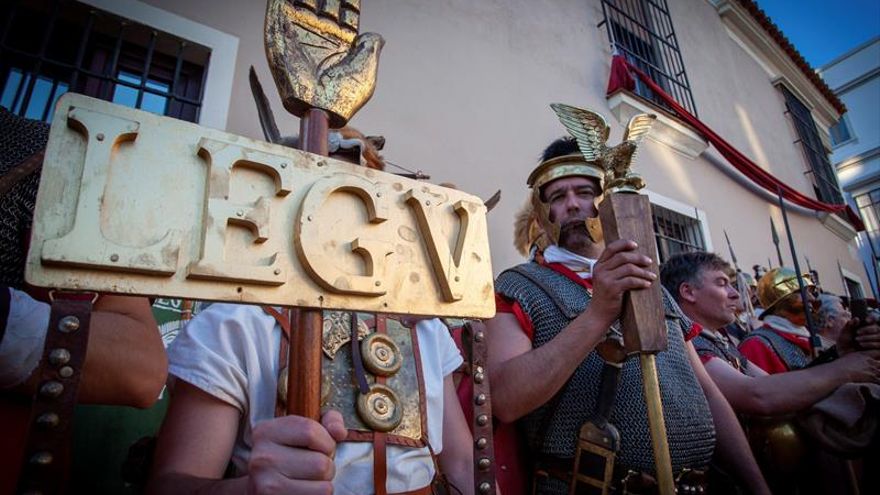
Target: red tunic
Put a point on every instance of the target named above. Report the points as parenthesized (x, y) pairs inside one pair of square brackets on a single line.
[(759, 353), (509, 447)]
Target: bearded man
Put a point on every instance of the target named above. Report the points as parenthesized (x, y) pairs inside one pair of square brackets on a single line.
[(553, 312)]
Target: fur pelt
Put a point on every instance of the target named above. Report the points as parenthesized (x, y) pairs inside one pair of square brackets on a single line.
[(527, 232)]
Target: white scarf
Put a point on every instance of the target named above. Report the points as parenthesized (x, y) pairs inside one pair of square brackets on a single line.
[(581, 265), (783, 325)]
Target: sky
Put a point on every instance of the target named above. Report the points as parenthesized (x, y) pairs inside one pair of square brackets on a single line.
[(822, 30)]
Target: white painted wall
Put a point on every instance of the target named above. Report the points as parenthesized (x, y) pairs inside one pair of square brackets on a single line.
[(463, 95)]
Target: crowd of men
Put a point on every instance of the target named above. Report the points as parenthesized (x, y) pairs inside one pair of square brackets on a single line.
[(749, 405)]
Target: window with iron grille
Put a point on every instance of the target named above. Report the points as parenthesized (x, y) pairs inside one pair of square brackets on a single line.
[(50, 47), (840, 132), (854, 288), (822, 173), (869, 207), (676, 233), (642, 31)]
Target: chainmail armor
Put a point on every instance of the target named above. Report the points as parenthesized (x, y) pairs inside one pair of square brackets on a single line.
[(20, 138), (721, 348), (689, 423), (789, 352)]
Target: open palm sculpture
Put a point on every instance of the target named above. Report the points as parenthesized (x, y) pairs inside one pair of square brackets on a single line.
[(317, 58)]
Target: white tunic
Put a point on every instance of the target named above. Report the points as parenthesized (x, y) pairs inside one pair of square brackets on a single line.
[(231, 352)]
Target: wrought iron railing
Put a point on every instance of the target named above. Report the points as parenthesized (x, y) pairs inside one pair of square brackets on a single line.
[(642, 31), (49, 48), (825, 181), (676, 233)]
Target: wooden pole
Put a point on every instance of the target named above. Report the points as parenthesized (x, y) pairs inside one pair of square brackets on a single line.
[(643, 318), (304, 370)]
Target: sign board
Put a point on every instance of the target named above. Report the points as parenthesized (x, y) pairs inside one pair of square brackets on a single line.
[(134, 203)]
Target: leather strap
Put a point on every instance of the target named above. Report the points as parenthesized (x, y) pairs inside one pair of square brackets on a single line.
[(484, 452), (45, 467), (380, 455), (283, 320), (380, 463), (357, 360), (24, 169), (607, 392)]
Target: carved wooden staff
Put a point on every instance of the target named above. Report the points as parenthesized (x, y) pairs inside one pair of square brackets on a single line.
[(627, 215), (325, 72)]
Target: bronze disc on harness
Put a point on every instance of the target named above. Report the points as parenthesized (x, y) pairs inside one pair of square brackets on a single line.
[(380, 408), (381, 355)]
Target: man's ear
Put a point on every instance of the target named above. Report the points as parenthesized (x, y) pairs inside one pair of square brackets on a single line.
[(686, 292)]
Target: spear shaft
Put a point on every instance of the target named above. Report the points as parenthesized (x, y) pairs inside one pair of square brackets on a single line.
[(808, 311), (775, 238)]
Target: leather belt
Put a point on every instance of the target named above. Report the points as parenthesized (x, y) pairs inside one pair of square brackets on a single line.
[(47, 451), (484, 453), (687, 481)]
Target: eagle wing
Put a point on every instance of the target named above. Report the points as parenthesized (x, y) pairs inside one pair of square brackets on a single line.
[(636, 130), (588, 128)]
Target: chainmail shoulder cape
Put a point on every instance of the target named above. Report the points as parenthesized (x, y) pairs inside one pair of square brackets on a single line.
[(719, 347), (20, 138), (790, 354), (551, 301)]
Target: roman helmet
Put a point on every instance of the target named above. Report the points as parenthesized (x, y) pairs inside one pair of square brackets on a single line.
[(556, 168), (777, 284)]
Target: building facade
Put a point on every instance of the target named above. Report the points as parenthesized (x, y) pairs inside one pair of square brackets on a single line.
[(464, 90), (855, 79)]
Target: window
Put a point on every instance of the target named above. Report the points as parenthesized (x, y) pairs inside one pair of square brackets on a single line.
[(676, 233), (854, 288), (49, 48), (869, 207), (824, 181), (642, 31), (840, 132)]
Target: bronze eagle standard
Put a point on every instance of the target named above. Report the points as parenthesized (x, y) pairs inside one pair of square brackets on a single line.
[(591, 132)]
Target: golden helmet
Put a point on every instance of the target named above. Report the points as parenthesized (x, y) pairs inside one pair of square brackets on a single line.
[(556, 168), (778, 283)]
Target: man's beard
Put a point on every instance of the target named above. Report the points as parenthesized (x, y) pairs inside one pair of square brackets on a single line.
[(574, 237)]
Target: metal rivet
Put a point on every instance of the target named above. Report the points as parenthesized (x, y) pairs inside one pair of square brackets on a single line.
[(485, 487), (479, 336), (51, 389), (100, 137), (482, 420), (478, 369), (484, 463), (482, 443), (239, 213), (427, 203), (378, 194), (478, 377), (283, 165), (378, 283), (68, 324), (480, 399), (277, 271), (114, 257), (66, 372), (41, 458), (48, 420), (59, 357), (309, 218), (321, 163)]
